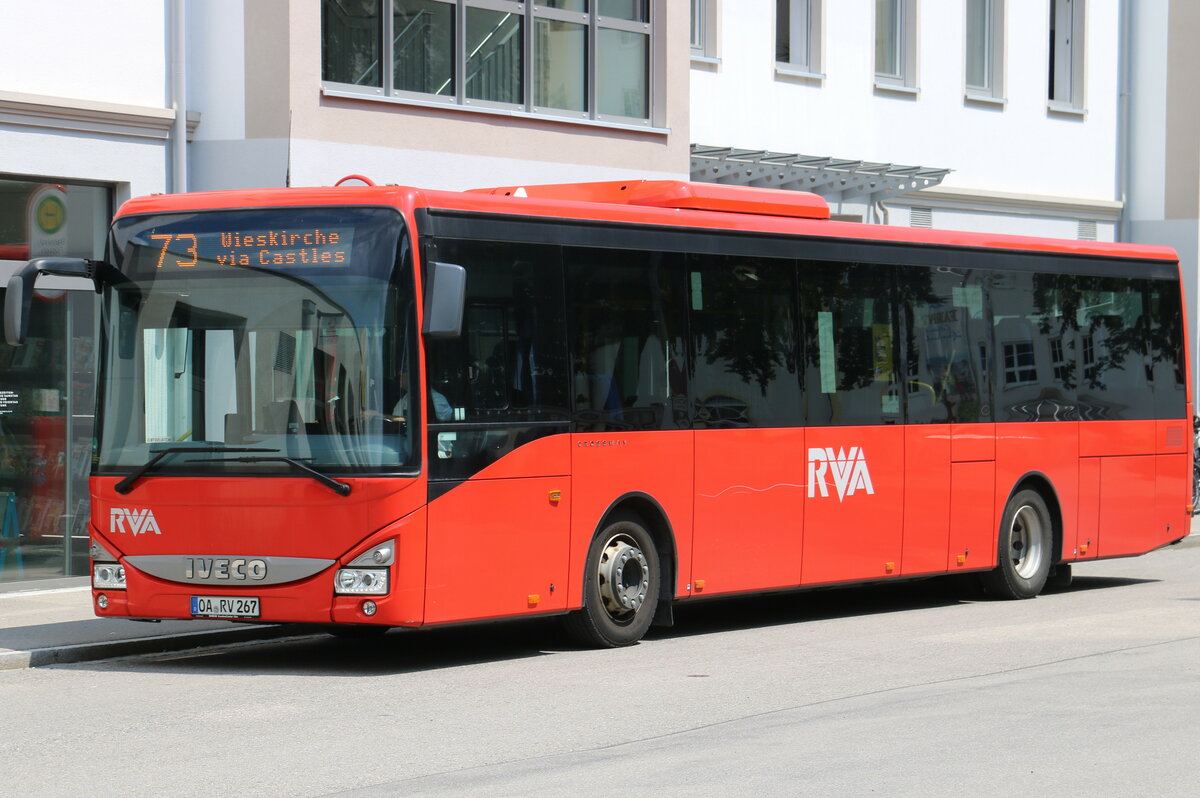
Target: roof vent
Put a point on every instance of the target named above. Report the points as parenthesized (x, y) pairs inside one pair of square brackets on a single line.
[(681, 195)]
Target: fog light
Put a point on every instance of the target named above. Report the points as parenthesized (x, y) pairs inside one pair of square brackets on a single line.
[(102, 601), (368, 607), (108, 575), (370, 581)]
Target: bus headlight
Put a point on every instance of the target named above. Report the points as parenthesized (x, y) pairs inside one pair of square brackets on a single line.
[(361, 581), (108, 575)]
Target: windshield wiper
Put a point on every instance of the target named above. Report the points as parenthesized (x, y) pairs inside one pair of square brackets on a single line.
[(126, 485), (340, 488)]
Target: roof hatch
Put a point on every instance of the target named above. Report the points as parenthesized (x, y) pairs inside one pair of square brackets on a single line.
[(679, 194)]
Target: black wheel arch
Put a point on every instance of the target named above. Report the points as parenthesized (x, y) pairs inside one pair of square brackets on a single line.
[(1042, 484), (658, 524)]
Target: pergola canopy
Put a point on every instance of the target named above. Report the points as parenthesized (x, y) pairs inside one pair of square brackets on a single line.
[(838, 180)]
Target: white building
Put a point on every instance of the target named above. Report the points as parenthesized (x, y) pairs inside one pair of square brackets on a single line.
[(1160, 145), (1062, 118), (957, 85), (993, 115)]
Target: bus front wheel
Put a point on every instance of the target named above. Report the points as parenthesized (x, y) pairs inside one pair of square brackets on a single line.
[(1024, 556), (620, 586)]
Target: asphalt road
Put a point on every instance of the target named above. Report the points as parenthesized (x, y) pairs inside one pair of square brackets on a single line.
[(916, 689)]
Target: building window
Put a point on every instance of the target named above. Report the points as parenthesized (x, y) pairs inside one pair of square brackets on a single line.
[(984, 50), (798, 37), (565, 58), (1066, 54), (895, 44), (1019, 364), (1058, 359)]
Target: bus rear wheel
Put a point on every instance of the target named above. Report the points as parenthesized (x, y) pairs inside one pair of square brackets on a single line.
[(1025, 556), (620, 587)]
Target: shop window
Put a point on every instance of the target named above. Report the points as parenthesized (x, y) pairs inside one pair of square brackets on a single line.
[(47, 386)]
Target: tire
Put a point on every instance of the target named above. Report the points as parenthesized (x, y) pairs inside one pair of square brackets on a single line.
[(620, 586), (1060, 577), (1025, 553)]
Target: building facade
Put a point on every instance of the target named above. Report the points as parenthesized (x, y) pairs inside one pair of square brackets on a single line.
[(1061, 118), (447, 94), (1067, 118), (1013, 124), (78, 135)]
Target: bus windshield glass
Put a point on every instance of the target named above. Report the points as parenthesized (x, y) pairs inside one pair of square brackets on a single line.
[(262, 339)]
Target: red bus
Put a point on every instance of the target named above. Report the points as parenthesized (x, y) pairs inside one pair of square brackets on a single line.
[(377, 407)]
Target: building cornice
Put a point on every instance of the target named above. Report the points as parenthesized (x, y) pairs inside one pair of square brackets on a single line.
[(18, 109), (967, 199)]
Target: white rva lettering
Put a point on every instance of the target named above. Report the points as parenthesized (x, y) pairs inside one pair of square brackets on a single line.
[(849, 471), (138, 522)]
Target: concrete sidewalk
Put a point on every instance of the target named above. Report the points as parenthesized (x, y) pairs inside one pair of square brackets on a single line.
[(49, 625), (49, 622)]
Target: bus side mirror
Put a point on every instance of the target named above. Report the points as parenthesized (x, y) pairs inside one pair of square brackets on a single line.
[(19, 299), (445, 296)]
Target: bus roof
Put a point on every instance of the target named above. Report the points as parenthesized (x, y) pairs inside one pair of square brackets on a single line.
[(673, 203)]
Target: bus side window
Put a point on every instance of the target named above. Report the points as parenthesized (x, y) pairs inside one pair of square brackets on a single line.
[(1035, 367), (625, 312), (849, 347), (947, 333), (743, 326), (1116, 379), (505, 377)]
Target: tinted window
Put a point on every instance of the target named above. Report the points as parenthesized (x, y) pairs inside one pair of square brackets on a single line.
[(1109, 317), (627, 337), (504, 381), (743, 327), (947, 343), (1167, 358), (849, 344), (1033, 367)]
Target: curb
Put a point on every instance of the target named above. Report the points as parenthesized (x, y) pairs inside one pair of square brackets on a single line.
[(160, 644)]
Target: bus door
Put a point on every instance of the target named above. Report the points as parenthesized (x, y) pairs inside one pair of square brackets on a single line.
[(750, 446), (950, 439), (855, 441), (497, 448), (632, 446)]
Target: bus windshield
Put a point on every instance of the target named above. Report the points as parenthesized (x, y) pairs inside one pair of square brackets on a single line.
[(262, 339)]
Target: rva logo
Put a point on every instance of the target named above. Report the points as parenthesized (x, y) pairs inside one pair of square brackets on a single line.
[(141, 522), (849, 471)]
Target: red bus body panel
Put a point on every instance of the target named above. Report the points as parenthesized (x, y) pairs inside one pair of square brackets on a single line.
[(744, 510)]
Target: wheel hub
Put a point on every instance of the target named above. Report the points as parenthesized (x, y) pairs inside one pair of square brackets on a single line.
[(624, 575), (1026, 542)]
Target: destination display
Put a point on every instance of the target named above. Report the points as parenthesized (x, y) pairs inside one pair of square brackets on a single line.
[(291, 247)]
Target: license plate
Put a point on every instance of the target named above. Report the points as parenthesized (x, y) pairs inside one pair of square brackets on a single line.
[(225, 606)]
